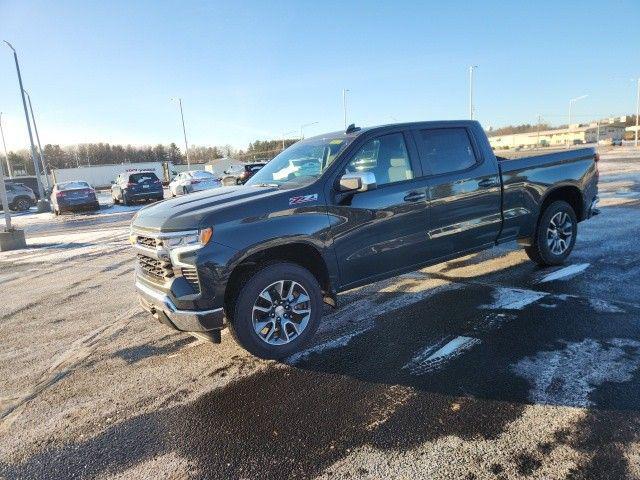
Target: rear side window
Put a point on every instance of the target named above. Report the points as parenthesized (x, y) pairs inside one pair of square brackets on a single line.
[(446, 150), (73, 185), (201, 174), (142, 178)]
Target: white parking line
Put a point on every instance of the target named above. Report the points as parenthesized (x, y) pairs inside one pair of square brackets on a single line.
[(565, 273), (506, 298), (435, 356)]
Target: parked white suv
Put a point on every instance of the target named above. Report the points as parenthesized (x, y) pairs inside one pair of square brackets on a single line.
[(20, 197)]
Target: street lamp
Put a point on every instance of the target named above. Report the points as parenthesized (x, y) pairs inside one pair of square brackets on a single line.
[(637, 113), (571, 102), (284, 134), (344, 105), (184, 132), (4, 145), (35, 127), (43, 203), (471, 69), (302, 127)]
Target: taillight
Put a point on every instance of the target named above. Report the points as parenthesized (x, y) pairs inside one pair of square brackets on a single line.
[(131, 184), (60, 194), (597, 157), (194, 182)]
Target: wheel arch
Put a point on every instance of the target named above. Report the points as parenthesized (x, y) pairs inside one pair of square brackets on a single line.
[(301, 252), (569, 193)]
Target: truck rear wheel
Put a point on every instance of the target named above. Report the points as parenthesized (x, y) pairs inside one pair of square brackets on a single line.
[(277, 311), (555, 235)]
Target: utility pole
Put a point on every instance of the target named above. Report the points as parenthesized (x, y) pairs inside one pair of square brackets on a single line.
[(43, 203), (3, 197), (471, 69), (35, 127), (571, 102), (4, 145), (184, 132), (344, 105)]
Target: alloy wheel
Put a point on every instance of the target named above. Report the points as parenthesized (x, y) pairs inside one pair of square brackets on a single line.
[(281, 312), (559, 233)]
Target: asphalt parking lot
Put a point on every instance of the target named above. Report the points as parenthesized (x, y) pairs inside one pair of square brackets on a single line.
[(482, 367)]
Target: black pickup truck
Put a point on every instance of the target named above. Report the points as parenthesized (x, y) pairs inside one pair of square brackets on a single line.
[(344, 209)]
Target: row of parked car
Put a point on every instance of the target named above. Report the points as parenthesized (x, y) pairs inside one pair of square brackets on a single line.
[(128, 188)]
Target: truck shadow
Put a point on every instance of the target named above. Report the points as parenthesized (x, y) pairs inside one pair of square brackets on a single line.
[(286, 421)]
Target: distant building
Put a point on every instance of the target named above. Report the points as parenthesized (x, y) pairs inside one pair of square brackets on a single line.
[(575, 134)]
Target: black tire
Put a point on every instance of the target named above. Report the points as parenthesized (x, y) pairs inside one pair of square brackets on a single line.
[(184, 191), (540, 252), (241, 322), (125, 199), (56, 212), (115, 200)]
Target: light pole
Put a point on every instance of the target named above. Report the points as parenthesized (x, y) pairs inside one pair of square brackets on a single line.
[(184, 132), (3, 191), (344, 105), (302, 127), (35, 127), (471, 69), (43, 203), (571, 102), (284, 134), (4, 145), (637, 113)]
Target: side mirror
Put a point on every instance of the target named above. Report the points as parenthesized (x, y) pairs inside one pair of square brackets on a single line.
[(357, 182)]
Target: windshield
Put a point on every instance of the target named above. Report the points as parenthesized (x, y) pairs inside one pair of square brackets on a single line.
[(143, 177), (73, 185), (301, 163)]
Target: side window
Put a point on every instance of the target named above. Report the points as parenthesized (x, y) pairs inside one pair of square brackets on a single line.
[(386, 157), (446, 150)]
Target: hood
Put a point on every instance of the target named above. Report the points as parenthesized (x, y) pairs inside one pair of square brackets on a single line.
[(196, 210)]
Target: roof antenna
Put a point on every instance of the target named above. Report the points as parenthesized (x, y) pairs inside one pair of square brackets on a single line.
[(352, 128)]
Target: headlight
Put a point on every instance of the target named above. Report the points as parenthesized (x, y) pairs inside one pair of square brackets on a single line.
[(197, 240)]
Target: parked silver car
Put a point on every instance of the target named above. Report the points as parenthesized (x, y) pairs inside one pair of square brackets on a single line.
[(193, 181), (20, 197)]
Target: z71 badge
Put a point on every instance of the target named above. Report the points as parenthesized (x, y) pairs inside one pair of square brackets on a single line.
[(303, 199)]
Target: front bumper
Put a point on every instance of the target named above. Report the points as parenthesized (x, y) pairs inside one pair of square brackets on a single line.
[(162, 308)]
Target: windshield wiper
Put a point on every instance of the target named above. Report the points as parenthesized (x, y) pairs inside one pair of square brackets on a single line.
[(267, 185)]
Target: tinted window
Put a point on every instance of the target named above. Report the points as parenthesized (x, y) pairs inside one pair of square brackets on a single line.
[(386, 157), (201, 174), (72, 185), (143, 177), (446, 150)]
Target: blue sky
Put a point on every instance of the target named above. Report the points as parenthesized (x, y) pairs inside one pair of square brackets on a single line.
[(106, 71)]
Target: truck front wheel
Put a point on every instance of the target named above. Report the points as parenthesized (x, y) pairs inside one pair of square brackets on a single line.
[(277, 311), (555, 235)]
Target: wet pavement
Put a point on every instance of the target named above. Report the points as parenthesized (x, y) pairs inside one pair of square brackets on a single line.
[(483, 367)]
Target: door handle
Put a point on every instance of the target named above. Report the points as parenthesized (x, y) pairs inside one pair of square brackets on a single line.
[(488, 183), (414, 197)]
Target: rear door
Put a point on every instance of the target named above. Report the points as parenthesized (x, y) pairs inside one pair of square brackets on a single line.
[(463, 190), (381, 230)]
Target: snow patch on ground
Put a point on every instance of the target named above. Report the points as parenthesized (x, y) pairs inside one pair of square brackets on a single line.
[(434, 357), (513, 298), (569, 375), (565, 273), (603, 306)]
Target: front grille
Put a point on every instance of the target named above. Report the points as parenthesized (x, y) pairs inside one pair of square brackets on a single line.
[(191, 276), (147, 241), (160, 269)]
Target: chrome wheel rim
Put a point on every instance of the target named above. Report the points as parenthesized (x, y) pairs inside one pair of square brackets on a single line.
[(281, 312), (559, 233)]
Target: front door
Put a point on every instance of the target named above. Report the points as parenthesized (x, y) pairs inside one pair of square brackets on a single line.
[(381, 230)]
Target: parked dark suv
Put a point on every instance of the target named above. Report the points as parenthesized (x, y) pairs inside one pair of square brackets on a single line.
[(135, 186)]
